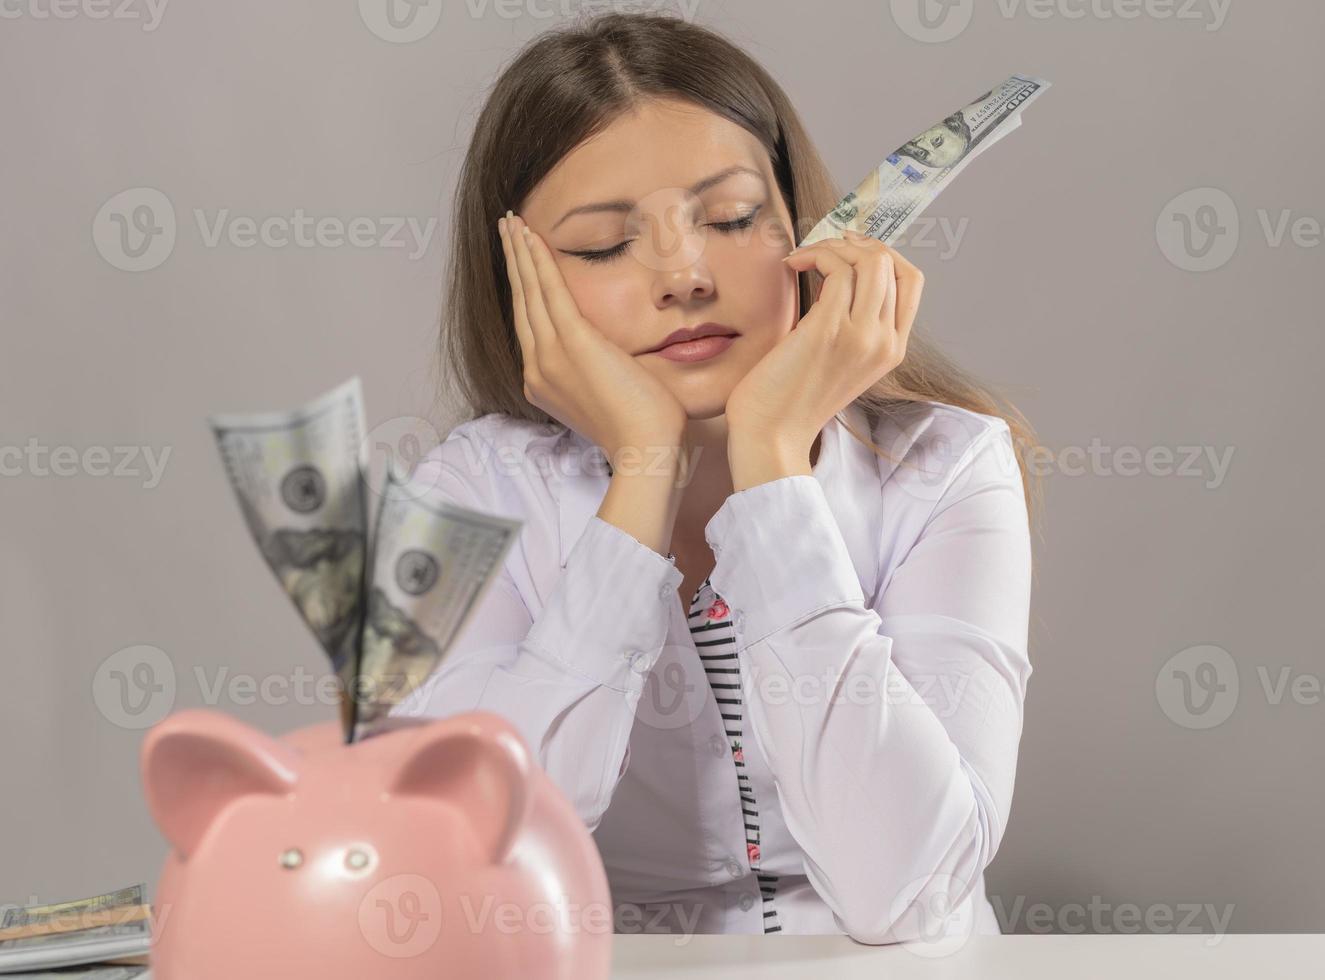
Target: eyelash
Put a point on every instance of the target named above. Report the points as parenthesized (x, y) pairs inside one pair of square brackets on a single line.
[(726, 227)]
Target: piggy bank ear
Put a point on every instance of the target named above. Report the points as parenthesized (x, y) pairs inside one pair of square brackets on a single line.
[(479, 763), (197, 762)]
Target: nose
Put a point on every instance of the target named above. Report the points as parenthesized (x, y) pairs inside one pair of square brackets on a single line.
[(684, 285)]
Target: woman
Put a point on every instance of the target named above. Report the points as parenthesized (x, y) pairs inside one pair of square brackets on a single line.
[(824, 738)]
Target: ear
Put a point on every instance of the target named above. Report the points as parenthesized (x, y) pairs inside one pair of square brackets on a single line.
[(196, 762), (479, 763)]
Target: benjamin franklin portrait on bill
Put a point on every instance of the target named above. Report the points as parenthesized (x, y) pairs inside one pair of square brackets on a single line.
[(940, 146)]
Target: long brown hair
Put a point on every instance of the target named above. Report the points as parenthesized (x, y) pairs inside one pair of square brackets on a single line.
[(567, 85)]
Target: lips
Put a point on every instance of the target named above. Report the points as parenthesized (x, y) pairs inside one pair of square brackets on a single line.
[(693, 351), (694, 333)]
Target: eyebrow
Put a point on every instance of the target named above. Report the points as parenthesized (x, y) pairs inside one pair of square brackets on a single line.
[(697, 188)]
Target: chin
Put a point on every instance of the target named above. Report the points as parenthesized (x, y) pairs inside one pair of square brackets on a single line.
[(703, 403), (706, 411)]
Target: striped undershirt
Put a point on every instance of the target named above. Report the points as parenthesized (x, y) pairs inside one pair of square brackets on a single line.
[(710, 625)]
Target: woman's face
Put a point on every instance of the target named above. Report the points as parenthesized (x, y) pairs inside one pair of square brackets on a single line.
[(669, 218)]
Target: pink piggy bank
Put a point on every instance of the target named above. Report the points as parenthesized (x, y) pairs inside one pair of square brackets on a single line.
[(434, 849)]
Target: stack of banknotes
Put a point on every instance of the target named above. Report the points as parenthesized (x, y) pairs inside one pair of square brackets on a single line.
[(385, 577), (106, 937), (385, 606)]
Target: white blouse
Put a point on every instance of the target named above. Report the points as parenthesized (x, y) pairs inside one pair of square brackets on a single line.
[(874, 616)]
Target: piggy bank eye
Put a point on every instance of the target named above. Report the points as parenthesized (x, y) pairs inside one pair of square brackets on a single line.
[(360, 859), (291, 858)]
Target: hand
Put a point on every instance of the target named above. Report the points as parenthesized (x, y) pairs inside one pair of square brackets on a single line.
[(853, 335), (573, 372)]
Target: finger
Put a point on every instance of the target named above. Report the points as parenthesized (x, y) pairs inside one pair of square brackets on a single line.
[(910, 284), (839, 274), (874, 281), (545, 332), (561, 305), (522, 330), (839, 277), (901, 298), (850, 251), (888, 312)]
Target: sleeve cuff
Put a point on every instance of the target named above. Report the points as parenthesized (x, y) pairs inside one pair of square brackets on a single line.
[(606, 618), (780, 556)]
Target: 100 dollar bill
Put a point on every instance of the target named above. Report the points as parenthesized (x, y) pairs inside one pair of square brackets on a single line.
[(432, 562), (895, 193), (387, 603), (298, 475)]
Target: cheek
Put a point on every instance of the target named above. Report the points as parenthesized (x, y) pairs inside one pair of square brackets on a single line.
[(608, 302), (765, 297)]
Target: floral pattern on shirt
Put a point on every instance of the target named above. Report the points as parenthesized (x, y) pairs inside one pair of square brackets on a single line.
[(715, 641)]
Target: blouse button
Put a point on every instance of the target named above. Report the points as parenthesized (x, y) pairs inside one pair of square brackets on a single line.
[(718, 746), (666, 591), (746, 901), (734, 868), (638, 661), (738, 621)]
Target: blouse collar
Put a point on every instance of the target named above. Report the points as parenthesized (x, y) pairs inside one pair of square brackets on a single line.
[(849, 473)]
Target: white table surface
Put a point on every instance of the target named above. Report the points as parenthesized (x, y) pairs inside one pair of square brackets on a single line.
[(1016, 957)]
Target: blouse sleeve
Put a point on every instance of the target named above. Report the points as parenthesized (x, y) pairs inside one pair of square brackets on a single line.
[(891, 728), (570, 680)]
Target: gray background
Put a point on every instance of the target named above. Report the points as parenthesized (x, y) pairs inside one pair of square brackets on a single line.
[(1059, 291)]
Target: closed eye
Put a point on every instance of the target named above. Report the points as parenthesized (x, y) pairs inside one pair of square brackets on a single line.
[(726, 227)]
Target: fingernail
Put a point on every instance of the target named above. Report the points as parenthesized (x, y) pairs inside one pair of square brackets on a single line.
[(509, 213), (524, 230)]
